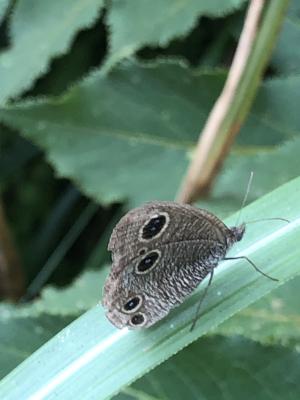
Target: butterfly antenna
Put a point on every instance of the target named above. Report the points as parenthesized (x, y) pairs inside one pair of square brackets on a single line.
[(245, 198), (244, 202), (268, 219), (201, 300)]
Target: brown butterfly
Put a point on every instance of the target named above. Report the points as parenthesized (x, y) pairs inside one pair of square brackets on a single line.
[(161, 252)]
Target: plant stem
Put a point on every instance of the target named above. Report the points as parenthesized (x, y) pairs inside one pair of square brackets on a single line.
[(253, 52), (11, 274)]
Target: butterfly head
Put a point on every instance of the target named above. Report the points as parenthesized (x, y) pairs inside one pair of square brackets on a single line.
[(237, 233)]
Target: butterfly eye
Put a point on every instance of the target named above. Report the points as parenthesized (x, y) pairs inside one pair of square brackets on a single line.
[(148, 262), (132, 304), (138, 320), (154, 227)]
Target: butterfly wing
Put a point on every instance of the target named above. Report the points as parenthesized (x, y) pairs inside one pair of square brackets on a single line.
[(161, 252)]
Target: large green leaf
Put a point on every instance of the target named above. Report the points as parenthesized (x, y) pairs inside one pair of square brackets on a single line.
[(41, 30), (271, 168), (286, 57), (219, 368), (147, 118), (92, 359), (156, 22), (274, 116)]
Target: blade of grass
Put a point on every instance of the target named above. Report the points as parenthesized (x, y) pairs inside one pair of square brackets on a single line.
[(56, 257), (51, 230), (92, 359), (99, 256)]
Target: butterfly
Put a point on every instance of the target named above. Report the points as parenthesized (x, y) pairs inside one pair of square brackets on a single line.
[(161, 252)]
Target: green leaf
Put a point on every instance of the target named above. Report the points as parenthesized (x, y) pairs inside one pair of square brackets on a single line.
[(143, 117), (148, 118), (91, 359), (286, 57), (19, 337), (274, 319), (73, 300), (3, 7), (280, 163), (220, 368), (83, 294), (41, 30), (157, 22), (274, 117)]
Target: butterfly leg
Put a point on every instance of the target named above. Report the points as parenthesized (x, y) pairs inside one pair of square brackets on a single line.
[(253, 265), (201, 300)]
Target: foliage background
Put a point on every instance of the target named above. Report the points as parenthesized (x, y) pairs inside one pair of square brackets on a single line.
[(101, 106)]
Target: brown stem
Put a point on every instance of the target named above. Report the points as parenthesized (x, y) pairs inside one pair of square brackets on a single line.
[(11, 274), (210, 151)]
